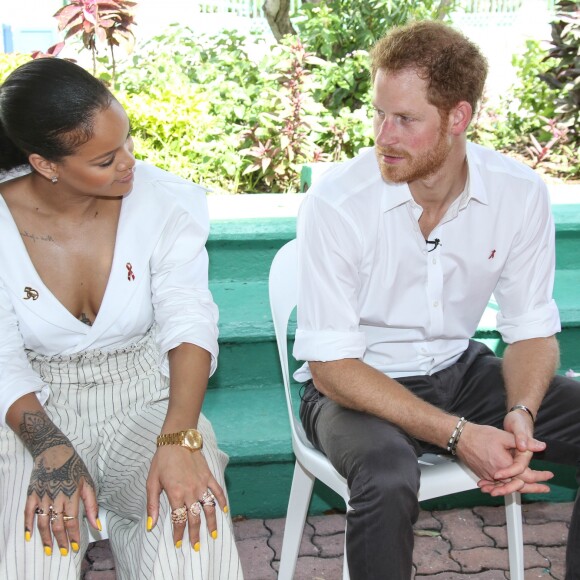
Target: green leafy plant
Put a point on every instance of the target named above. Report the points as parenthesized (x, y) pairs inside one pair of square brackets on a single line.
[(525, 123), (9, 61), (564, 72), (109, 22)]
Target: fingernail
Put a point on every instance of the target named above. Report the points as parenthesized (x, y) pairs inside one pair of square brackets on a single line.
[(99, 525), (226, 509), (74, 546), (196, 546), (27, 535), (48, 550), (178, 544), (214, 534), (63, 552), (149, 523)]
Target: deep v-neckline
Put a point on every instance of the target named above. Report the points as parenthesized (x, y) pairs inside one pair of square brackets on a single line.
[(30, 264)]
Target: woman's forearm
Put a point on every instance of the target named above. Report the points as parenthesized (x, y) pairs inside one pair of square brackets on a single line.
[(189, 367)]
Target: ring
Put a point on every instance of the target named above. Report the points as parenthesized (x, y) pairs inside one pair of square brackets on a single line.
[(207, 499), (195, 509), (68, 518), (40, 512), (179, 515)]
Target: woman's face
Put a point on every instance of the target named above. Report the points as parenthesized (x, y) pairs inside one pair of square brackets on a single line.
[(104, 165)]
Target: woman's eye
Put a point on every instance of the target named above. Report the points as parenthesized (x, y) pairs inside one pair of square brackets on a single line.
[(107, 163)]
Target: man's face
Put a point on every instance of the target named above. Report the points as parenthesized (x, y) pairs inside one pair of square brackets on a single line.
[(411, 137)]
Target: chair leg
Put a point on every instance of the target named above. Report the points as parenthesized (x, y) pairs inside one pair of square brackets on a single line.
[(300, 494), (513, 512), (345, 572)]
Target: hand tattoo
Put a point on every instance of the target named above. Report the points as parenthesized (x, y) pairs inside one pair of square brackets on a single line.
[(64, 479), (39, 435)]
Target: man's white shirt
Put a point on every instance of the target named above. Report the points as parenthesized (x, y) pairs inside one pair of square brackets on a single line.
[(371, 288)]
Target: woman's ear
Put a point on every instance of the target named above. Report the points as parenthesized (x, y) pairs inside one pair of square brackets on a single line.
[(44, 167)]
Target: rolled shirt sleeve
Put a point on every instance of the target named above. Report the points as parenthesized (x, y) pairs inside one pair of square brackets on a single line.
[(329, 251), (184, 308), (524, 290), (17, 378)]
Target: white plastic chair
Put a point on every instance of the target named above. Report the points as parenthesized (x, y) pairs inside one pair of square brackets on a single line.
[(440, 475)]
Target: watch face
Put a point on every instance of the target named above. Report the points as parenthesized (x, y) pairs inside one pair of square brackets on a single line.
[(193, 439)]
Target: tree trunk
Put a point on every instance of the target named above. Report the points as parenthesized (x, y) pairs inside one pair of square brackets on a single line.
[(443, 9), (278, 15)]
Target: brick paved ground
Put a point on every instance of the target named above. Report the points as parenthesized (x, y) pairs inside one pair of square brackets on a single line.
[(450, 545)]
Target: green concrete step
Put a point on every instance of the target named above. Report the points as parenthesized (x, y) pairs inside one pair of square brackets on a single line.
[(243, 250)]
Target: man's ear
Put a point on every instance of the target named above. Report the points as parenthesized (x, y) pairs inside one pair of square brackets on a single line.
[(460, 117), (41, 165)]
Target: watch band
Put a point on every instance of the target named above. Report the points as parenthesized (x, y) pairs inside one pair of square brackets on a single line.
[(171, 438)]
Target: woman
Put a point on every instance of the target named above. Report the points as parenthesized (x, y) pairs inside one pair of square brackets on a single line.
[(107, 339)]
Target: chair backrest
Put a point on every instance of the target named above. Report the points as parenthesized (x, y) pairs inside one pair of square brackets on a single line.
[(283, 287)]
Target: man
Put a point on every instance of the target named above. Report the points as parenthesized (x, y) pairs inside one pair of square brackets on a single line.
[(400, 250)]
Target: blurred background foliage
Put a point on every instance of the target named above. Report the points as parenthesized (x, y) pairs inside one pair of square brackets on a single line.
[(243, 115)]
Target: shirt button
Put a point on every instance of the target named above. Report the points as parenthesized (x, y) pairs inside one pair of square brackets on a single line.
[(435, 304), (434, 260)]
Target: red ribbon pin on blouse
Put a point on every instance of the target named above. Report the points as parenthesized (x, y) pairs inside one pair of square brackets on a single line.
[(130, 275)]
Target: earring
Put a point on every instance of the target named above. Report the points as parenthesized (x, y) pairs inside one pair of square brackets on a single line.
[(54, 179)]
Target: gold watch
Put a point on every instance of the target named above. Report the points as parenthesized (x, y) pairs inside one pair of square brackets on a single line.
[(190, 439)]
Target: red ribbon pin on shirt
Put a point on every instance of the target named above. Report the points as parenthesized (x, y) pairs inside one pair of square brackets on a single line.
[(130, 275)]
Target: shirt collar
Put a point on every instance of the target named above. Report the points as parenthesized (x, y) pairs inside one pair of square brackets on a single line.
[(395, 194), (475, 187)]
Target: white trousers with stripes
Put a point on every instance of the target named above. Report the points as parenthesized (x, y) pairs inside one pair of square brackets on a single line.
[(111, 405)]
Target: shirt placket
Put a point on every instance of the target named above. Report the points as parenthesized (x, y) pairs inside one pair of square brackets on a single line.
[(435, 285)]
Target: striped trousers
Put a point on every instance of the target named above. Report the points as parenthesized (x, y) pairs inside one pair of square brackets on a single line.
[(111, 405)]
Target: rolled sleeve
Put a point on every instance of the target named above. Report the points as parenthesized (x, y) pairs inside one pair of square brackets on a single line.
[(525, 288), (17, 378), (328, 282), (184, 308)]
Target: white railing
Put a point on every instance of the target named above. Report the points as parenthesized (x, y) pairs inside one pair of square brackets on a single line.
[(246, 8)]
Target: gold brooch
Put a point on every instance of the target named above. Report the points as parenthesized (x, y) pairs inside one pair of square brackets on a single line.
[(30, 293)]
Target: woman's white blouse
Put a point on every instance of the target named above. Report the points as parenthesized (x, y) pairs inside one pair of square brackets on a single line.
[(159, 274)]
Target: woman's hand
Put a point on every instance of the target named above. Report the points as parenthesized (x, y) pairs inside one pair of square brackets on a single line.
[(58, 480), (185, 477)]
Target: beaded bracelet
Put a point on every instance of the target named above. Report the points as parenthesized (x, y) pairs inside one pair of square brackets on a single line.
[(454, 439), (525, 409)]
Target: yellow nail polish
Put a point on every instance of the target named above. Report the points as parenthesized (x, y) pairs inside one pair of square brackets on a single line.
[(48, 550), (214, 534), (178, 544), (196, 546), (27, 535), (149, 523), (63, 552), (99, 525), (226, 509), (74, 546)]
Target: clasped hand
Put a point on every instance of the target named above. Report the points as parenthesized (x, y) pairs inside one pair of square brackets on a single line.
[(501, 458)]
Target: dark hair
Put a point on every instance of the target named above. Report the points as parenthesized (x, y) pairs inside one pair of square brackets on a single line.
[(453, 66), (47, 106)]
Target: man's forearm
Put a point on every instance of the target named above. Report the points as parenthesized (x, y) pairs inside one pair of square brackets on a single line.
[(356, 385), (528, 368)]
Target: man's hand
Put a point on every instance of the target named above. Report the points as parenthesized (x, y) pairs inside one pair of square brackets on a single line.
[(494, 456)]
